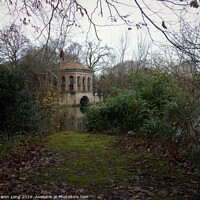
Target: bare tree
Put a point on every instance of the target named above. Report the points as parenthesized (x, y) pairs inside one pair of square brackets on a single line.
[(64, 13), (12, 44), (180, 29), (123, 47), (97, 55), (141, 54), (73, 52)]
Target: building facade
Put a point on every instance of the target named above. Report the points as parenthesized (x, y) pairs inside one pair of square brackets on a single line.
[(76, 84)]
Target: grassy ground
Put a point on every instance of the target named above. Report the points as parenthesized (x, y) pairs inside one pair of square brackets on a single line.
[(88, 161), (104, 164)]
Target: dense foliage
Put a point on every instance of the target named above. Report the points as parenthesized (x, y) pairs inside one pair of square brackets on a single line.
[(18, 106), (153, 105)]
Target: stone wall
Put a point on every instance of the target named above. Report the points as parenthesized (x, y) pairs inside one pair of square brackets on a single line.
[(74, 98)]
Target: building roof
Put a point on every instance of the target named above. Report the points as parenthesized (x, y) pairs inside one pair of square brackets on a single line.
[(74, 66)]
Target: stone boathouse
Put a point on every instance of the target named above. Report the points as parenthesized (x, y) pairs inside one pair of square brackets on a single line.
[(76, 84)]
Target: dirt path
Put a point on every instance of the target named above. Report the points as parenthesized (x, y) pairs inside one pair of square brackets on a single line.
[(94, 166)]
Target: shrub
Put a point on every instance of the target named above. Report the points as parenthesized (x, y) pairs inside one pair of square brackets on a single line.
[(124, 112), (48, 110), (18, 106), (154, 105)]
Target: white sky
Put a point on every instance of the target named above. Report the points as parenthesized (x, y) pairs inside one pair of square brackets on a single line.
[(111, 34)]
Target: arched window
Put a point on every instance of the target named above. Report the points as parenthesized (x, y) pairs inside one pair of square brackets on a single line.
[(63, 83), (79, 83), (71, 83), (89, 83), (63, 80), (84, 84)]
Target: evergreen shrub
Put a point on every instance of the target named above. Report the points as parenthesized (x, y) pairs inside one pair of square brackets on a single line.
[(18, 105), (149, 106)]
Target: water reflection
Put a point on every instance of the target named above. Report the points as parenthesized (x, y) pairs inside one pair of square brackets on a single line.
[(83, 108), (72, 119)]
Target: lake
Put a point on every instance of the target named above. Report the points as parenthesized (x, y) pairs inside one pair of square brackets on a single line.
[(72, 119)]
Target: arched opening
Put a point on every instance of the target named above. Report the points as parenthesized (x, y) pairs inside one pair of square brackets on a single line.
[(84, 84), (84, 101), (63, 80), (63, 83), (71, 83), (89, 83), (79, 83)]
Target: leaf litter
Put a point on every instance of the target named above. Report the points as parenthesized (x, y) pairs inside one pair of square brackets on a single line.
[(178, 179)]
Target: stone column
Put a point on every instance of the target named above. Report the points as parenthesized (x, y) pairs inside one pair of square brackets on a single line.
[(75, 82), (91, 83)]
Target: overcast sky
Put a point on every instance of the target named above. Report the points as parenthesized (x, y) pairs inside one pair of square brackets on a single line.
[(109, 30)]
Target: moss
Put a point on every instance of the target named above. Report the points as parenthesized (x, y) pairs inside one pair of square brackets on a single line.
[(92, 162), (88, 161)]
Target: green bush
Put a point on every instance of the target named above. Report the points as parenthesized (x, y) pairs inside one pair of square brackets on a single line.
[(124, 112), (154, 105), (18, 106)]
